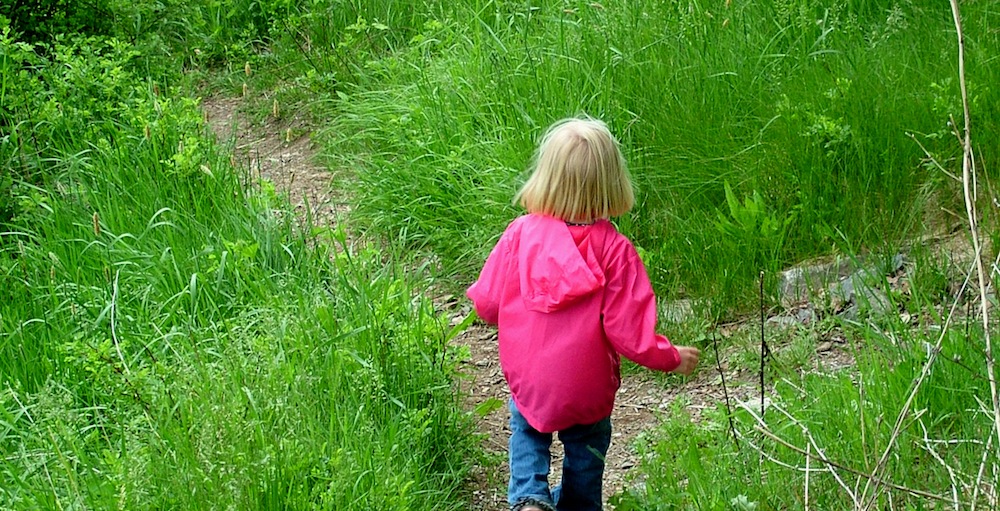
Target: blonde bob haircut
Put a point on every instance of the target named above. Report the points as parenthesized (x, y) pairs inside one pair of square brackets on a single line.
[(578, 174)]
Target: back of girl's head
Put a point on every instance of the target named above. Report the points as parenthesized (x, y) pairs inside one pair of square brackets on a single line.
[(578, 174)]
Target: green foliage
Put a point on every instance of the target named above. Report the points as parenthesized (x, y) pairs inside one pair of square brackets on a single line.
[(39, 20), (847, 415), (169, 340), (807, 115)]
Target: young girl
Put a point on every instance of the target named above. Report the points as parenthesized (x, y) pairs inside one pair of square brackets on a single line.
[(569, 295)]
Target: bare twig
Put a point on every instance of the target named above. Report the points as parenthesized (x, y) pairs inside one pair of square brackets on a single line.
[(776, 461), (934, 160), (761, 426), (830, 463), (968, 186), (898, 427), (725, 391), (951, 472), (806, 491), (979, 476), (764, 350)]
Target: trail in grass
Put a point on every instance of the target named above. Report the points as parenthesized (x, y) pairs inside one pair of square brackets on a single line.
[(288, 162), (278, 151)]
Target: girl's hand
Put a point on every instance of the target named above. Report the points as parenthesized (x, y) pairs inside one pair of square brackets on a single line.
[(689, 359)]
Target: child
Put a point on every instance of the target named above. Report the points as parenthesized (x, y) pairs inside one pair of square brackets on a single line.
[(569, 295)]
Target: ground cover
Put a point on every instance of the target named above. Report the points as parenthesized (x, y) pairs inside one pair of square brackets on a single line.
[(172, 337), (178, 326)]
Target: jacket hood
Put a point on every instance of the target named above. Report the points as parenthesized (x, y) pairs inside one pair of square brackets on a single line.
[(557, 267)]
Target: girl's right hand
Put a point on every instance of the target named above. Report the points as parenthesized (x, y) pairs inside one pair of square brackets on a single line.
[(689, 359)]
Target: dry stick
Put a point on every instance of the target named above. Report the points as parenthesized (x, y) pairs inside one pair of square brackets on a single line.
[(936, 456), (898, 427), (968, 178), (982, 470), (725, 391), (830, 463), (822, 457), (970, 208), (808, 454), (933, 160), (764, 350), (812, 443), (772, 459)]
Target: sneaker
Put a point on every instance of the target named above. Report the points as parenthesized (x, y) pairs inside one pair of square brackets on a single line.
[(530, 504)]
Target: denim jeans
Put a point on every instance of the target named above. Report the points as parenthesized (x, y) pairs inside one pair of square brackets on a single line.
[(583, 465)]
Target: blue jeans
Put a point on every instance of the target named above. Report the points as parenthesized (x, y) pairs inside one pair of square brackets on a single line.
[(583, 466)]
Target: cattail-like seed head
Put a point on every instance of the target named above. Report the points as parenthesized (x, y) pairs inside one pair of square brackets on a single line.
[(274, 108), (244, 90), (97, 224), (288, 135), (246, 68), (145, 131)]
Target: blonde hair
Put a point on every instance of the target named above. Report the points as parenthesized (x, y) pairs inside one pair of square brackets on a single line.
[(578, 174)]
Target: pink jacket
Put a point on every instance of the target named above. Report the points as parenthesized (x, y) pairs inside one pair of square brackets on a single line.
[(568, 300)]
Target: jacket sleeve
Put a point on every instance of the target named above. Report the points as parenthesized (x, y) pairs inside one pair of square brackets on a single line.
[(630, 315), (486, 292)]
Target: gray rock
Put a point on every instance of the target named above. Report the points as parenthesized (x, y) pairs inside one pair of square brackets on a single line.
[(838, 278), (677, 311), (799, 284)]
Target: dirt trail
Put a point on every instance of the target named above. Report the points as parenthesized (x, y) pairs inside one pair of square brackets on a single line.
[(290, 165), (269, 152)]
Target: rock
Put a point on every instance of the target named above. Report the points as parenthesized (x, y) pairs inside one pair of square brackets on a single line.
[(824, 346), (782, 322), (677, 311), (805, 315), (796, 285), (838, 278)]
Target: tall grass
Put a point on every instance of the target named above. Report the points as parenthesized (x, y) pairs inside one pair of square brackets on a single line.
[(804, 109), (169, 338), (846, 415)]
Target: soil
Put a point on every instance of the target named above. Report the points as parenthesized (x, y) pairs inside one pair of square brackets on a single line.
[(280, 151), (267, 150)]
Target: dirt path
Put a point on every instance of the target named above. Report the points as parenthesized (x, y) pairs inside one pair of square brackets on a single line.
[(269, 152), (289, 163)]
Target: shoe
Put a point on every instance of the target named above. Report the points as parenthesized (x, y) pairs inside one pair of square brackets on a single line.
[(530, 504)]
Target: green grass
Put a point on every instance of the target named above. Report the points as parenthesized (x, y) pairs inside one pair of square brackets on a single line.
[(802, 109), (171, 339), (850, 415)]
